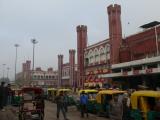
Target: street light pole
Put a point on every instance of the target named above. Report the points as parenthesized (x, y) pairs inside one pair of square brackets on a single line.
[(8, 72), (3, 70), (33, 42), (16, 46)]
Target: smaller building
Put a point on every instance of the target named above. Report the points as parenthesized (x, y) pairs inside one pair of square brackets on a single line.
[(38, 77), (24, 77), (67, 72), (44, 78)]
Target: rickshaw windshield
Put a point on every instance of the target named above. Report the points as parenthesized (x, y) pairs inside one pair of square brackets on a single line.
[(92, 95), (28, 96)]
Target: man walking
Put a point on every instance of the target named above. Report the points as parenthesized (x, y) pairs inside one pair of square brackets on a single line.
[(9, 94), (66, 101), (83, 104), (116, 109), (60, 105)]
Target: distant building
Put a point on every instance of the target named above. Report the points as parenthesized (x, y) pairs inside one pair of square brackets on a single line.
[(24, 77), (37, 77), (67, 72), (44, 78)]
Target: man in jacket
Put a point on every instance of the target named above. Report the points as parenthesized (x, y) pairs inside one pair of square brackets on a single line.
[(83, 104), (60, 105)]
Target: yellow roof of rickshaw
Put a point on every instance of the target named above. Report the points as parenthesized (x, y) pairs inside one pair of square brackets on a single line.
[(146, 93), (143, 93), (49, 89), (64, 89), (107, 92), (88, 90), (111, 92)]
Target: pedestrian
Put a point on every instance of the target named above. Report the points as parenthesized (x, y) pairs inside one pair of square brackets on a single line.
[(66, 101), (9, 94), (83, 104), (40, 103), (126, 107), (6, 94), (116, 109), (60, 105), (2, 94)]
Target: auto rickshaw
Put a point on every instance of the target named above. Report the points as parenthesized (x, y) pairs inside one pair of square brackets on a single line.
[(51, 94), (16, 97), (144, 103), (71, 100), (32, 104), (91, 93), (103, 100)]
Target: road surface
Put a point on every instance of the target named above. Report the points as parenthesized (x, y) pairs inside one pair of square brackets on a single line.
[(73, 114), (11, 113)]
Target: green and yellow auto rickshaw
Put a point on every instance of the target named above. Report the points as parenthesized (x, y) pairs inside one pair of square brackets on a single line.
[(103, 100), (91, 93), (143, 105), (51, 94)]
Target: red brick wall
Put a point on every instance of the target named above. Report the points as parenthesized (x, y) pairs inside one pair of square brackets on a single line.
[(140, 45)]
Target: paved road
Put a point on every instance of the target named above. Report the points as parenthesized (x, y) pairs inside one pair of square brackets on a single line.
[(10, 113), (73, 114), (50, 113)]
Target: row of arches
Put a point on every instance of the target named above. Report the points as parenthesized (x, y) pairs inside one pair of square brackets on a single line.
[(97, 55)]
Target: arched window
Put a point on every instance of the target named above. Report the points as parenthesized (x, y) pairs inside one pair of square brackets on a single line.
[(96, 53), (91, 58), (38, 76), (108, 51), (102, 54)]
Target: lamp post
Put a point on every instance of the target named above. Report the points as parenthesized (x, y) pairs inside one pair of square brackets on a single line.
[(3, 70), (16, 46), (8, 72), (33, 42)]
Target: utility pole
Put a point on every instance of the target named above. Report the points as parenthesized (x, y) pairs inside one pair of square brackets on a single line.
[(16, 46)]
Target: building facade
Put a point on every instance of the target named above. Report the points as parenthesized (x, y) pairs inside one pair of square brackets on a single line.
[(115, 58), (24, 77), (67, 72), (38, 77), (44, 79), (96, 62)]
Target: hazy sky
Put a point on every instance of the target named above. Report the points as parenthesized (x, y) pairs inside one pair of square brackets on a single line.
[(53, 24)]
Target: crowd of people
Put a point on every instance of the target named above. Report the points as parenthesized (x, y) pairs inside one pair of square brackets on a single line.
[(117, 108), (5, 95)]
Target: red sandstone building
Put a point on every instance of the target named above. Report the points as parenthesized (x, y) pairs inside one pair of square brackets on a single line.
[(67, 72), (130, 61)]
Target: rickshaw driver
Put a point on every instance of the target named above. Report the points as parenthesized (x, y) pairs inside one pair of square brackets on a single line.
[(40, 102)]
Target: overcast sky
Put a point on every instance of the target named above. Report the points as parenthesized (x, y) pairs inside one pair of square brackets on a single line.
[(53, 24)]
